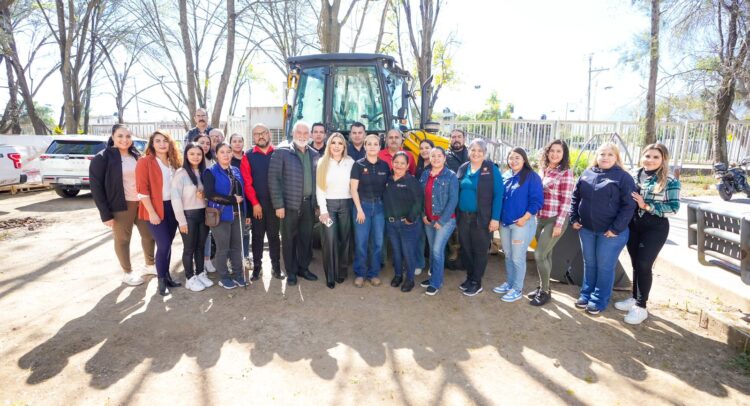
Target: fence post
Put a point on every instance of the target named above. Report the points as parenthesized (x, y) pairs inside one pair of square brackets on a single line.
[(701, 237)]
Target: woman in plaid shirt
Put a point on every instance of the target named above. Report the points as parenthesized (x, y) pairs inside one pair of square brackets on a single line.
[(657, 195), (557, 179)]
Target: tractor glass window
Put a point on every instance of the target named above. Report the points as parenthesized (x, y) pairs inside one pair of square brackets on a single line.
[(310, 96), (394, 87), (357, 97)]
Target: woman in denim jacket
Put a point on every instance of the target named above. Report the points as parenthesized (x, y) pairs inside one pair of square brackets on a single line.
[(440, 200)]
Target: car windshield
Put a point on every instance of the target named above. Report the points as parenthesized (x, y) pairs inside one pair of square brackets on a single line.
[(76, 147)]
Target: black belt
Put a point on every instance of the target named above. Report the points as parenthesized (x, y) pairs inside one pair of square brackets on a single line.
[(395, 219), (306, 198), (469, 214), (372, 200)]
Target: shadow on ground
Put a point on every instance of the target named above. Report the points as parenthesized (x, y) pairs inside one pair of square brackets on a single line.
[(61, 204), (307, 321)]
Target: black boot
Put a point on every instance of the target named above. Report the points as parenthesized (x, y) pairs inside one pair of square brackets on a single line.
[(170, 283), (256, 273), (163, 287)]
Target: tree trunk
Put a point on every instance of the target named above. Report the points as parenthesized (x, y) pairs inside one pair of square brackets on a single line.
[(90, 73), (10, 121), (428, 14), (190, 67), (724, 100), (329, 30), (65, 44), (228, 62), (381, 30), (653, 74), (11, 58)]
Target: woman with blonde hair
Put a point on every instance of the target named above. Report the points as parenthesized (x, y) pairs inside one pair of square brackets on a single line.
[(657, 195), (601, 208), (335, 201), (154, 185)]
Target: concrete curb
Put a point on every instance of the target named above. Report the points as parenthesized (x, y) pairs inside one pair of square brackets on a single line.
[(723, 326)]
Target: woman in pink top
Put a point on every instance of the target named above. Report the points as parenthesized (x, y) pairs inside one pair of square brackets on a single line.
[(112, 177)]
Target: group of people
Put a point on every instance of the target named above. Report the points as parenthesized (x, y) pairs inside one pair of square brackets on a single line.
[(360, 193)]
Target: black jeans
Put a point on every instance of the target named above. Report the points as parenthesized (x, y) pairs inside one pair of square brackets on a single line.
[(296, 239), (475, 243), (647, 236), (336, 238), (266, 227), (194, 241)]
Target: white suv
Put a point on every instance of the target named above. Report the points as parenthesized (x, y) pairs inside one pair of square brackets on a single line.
[(10, 166), (65, 164)]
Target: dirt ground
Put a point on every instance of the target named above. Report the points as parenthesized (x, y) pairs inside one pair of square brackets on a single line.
[(73, 334)]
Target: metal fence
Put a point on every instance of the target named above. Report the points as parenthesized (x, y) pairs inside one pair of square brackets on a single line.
[(689, 142)]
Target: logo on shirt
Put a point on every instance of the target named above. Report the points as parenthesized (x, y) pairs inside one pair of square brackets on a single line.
[(364, 171)]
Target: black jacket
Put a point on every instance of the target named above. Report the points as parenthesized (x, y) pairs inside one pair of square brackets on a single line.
[(285, 176), (454, 160), (105, 177)]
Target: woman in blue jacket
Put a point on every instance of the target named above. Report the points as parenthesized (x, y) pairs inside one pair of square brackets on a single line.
[(523, 198), (601, 209), (224, 190), (440, 200)]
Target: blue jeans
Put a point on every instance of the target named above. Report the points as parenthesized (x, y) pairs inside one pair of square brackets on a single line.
[(600, 255), (421, 241), (438, 239), (371, 231), (403, 238), (163, 234), (516, 240)]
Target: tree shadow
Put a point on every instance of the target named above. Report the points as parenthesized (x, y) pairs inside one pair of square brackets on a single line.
[(378, 326), (61, 204)]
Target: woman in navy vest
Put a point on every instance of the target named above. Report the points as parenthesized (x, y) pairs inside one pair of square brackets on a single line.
[(522, 199), (224, 190), (601, 209), (480, 199)]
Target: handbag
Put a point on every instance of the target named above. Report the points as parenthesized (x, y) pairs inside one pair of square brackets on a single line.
[(213, 216)]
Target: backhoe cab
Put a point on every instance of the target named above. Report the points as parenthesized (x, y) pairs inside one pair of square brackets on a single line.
[(341, 89)]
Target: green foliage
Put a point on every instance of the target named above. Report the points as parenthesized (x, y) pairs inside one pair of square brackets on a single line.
[(442, 64), (494, 109), (583, 158), (708, 64), (58, 130)]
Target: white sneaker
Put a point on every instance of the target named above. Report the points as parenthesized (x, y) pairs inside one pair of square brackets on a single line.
[(636, 315), (625, 305), (194, 284), (203, 278), (418, 271), (132, 279), (148, 270), (209, 266)]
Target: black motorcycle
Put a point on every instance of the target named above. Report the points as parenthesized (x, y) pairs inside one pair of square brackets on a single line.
[(732, 180)]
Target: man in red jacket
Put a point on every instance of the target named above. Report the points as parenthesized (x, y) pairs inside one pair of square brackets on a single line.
[(254, 169), (394, 142)]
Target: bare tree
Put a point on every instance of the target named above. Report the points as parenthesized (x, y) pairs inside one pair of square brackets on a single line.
[(228, 63), (329, 25), (16, 71), (421, 30), (653, 74), (285, 24), (381, 30)]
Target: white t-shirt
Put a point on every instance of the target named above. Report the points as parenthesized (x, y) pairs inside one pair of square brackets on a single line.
[(166, 178)]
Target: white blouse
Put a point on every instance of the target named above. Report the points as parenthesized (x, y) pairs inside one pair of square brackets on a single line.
[(337, 183)]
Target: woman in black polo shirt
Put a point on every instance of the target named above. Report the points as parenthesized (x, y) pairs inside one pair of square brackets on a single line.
[(402, 199), (369, 176)]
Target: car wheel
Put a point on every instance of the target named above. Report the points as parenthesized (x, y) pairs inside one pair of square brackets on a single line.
[(62, 192)]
